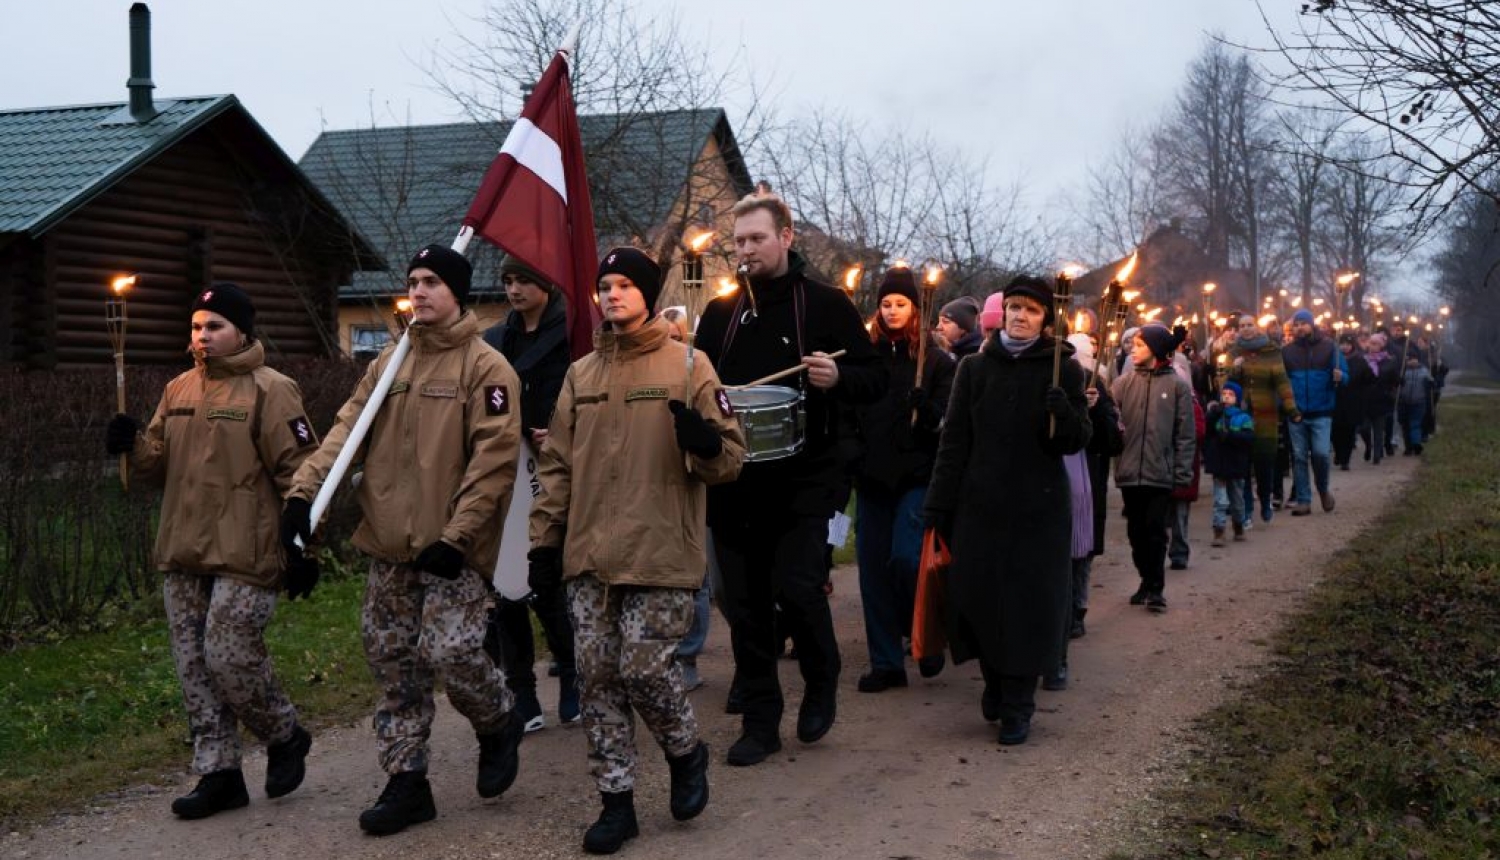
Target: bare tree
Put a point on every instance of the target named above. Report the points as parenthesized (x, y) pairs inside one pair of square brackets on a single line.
[(1365, 193), (1123, 198), (635, 69), (1468, 276), (876, 195), (1300, 187), (1420, 72)]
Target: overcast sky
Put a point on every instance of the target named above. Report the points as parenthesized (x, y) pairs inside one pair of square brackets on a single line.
[(1039, 88)]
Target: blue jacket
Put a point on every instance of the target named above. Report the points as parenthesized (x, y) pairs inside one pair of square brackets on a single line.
[(1310, 363), (1226, 448)]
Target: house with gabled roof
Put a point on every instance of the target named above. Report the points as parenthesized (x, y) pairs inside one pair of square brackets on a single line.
[(178, 192), (654, 177)]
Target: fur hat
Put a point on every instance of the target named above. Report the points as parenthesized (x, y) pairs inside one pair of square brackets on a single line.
[(230, 302), (639, 268), (452, 267)]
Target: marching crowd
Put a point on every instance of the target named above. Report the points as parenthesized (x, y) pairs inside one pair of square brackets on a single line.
[(656, 489)]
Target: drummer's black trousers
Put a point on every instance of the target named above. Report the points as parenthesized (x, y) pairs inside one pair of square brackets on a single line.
[(777, 559)]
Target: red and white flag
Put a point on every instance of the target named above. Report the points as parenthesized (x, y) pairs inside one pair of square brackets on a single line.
[(534, 201)]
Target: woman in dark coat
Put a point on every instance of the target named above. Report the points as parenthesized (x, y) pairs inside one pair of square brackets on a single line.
[(1348, 405), (1000, 493), (1376, 376), (900, 432)]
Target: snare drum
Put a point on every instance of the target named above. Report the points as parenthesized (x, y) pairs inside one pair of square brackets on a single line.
[(771, 418)]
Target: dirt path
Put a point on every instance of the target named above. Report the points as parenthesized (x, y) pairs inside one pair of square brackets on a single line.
[(912, 773)]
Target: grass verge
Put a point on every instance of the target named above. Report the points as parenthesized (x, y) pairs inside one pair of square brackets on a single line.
[(104, 711), (1374, 732)]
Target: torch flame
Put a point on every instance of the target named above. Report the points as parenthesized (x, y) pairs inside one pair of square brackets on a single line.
[(851, 278), (1152, 314), (902, 263), (1129, 295), (1209, 288), (727, 287), (1266, 320), (700, 241), (1346, 279), (1124, 274), (403, 306), (122, 283), (934, 274), (1073, 271), (1444, 310)]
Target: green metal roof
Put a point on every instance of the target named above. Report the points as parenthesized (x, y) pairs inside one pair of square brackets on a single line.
[(406, 186), (53, 160)]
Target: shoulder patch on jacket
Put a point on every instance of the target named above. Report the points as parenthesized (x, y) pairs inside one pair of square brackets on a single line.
[(496, 400), (726, 408), (230, 412), (646, 392), (302, 431)]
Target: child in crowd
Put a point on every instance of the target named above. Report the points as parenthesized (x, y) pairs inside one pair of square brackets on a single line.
[(1226, 456)]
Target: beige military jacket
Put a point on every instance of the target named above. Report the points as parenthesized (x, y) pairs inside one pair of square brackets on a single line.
[(618, 494), (440, 459), (225, 441)]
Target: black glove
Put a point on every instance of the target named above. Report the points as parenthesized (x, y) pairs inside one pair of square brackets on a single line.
[(544, 571), (916, 399), (119, 436), (942, 523), (694, 435), (1056, 401), (442, 560), (296, 522), (301, 576)]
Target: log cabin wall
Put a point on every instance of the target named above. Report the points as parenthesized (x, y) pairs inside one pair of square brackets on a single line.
[(194, 215)]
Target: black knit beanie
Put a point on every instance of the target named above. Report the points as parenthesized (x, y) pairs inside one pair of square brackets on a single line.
[(898, 280), (639, 268), (513, 266), (454, 269), (1033, 288), (1159, 338), (230, 302)]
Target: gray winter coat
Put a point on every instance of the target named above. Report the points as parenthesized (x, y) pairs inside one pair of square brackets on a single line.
[(1156, 408)]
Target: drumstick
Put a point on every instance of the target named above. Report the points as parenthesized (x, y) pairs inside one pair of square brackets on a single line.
[(782, 374)]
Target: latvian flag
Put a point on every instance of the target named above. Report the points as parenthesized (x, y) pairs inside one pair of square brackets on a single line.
[(534, 201)]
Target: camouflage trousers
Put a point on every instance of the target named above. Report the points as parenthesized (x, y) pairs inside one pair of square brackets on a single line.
[(217, 627), (417, 628), (626, 638)]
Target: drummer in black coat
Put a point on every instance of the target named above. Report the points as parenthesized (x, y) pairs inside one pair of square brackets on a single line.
[(770, 527), (1000, 494)]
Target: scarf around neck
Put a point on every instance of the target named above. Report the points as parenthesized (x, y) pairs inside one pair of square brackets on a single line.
[(1013, 346), (1253, 344)]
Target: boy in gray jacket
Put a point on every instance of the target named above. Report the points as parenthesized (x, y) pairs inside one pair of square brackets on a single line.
[(1156, 408)]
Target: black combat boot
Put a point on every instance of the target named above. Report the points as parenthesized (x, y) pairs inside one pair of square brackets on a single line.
[(500, 757), (406, 800), (615, 825), (689, 782), (215, 792), (286, 763)]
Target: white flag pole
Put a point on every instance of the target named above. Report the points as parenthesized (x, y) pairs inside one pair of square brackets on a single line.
[(372, 406)]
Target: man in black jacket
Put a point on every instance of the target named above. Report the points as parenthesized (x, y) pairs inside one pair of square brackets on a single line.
[(534, 339), (770, 527)]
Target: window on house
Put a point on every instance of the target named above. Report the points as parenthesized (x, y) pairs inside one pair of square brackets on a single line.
[(366, 341)]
